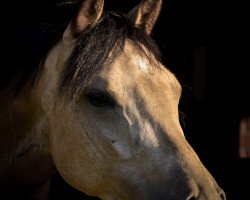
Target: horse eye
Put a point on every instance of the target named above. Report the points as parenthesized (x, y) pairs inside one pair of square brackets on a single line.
[(100, 99)]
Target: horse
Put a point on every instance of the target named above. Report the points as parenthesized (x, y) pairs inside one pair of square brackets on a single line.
[(102, 110)]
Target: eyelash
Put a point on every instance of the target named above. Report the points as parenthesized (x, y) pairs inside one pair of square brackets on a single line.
[(100, 99)]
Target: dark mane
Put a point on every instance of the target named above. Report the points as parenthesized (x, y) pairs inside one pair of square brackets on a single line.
[(94, 47), (90, 55)]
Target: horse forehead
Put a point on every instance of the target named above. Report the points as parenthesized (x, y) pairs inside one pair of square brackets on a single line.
[(137, 60), (133, 66)]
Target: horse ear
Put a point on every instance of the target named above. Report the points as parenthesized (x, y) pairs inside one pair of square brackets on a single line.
[(145, 14), (89, 12)]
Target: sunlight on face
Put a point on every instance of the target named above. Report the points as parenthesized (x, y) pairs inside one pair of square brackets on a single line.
[(143, 65)]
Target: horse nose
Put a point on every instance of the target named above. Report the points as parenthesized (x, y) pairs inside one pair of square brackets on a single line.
[(188, 191), (222, 194), (193, 196)]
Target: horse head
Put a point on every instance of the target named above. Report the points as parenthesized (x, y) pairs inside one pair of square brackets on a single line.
[(112, 107)]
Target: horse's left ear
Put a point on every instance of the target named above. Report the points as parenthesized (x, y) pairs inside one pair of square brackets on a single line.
[(145, 14), (89, 13)]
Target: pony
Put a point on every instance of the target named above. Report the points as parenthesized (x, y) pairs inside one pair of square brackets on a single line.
[(102, 110)]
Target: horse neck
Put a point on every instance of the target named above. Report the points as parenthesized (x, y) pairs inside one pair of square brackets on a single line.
[(24, 118), (21, 111), (53, 64), (22, 124)]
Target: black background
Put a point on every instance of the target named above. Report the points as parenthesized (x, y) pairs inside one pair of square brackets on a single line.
[(211, 121)]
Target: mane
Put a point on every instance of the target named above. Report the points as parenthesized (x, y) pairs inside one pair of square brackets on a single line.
[(97, 47)]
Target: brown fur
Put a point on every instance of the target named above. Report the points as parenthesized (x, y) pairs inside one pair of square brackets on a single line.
[(133, 150)]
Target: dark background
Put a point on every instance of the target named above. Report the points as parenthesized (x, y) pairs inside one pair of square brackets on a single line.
[(204, 44)]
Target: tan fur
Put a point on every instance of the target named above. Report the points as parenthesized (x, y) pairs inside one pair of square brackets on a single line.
[(146, 14), (110, 146), (25, 157), (134, 150), (90, 12)]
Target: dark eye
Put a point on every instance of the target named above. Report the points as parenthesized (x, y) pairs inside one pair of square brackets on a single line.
[(100, 99)]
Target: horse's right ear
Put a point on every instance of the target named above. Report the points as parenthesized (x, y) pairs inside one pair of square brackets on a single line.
[(89, 12), (145, 14)]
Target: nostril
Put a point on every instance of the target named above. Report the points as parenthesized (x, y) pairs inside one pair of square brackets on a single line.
[(191, 197), (222, 195)]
